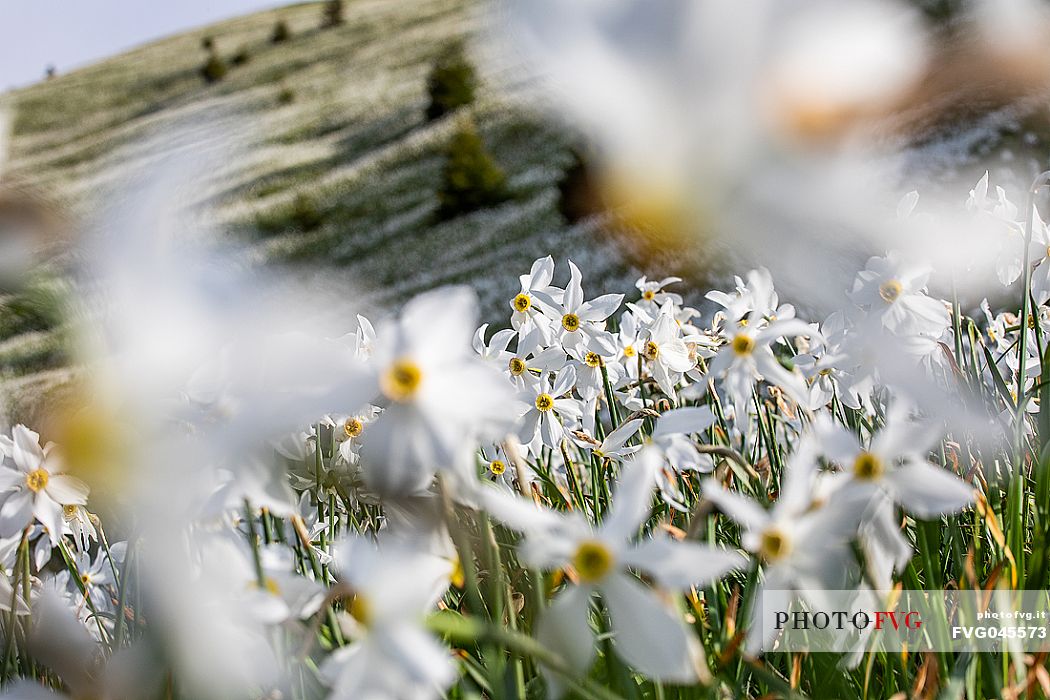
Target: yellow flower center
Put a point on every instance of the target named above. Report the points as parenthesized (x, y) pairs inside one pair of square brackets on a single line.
[(522, 302), (651, 351), (361, 610), (544, 402), (657, 208), (628, 351), (868, 466), (268, 585), (95, 442), (69, 512), (648, 295), (743, 344), (592, 359), (458, 577), (85, 579), (890, 290), (353, 427), (36, 480), (592, 561), (401, 380), (497, 467), (570, 322), (774, 544), (516, 366)]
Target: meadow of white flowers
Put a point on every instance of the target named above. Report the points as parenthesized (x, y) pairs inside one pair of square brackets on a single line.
[(586, 499), (595, 495)]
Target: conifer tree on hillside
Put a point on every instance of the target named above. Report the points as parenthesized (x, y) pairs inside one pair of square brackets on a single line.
[(471, 179)]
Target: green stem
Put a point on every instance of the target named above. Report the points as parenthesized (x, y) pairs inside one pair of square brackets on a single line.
[(253, 540)]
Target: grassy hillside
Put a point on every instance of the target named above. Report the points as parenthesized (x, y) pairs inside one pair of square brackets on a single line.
[(337, 165)]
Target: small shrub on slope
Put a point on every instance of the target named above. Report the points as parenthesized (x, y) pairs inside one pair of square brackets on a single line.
[(333, 14), (281, 32), (451, 84), (214, 69), (242, 57)]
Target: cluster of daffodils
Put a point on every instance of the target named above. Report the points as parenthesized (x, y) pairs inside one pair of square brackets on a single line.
[(590, 497), (43, 512)]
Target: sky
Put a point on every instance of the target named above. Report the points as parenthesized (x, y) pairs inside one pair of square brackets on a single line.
[(72, 33)]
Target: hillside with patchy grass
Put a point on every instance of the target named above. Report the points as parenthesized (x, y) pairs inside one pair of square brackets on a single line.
[(336, 164)]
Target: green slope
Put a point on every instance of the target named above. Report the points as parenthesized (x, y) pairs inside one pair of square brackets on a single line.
[(331, 120)]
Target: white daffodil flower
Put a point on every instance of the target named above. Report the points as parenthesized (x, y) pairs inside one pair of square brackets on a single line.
[(41, 549), (349, 430), (9, 553), (36, 486), (755, 296), (589, 380), (497, 464), (362, 340), (436, 394), (296, 446), (208, 600), (283, 595), (548, 404), (614, 447), (686, 315), (885, 549), (995, 329), (79, 525), (802, 546), (1000, 215), (665, 351), (496, 349), (670, 438), (895, 463), (96, 578), (647, 632), (390, 655), (1039, 255), (629, 345), (582, 323), (747, 357), (827, 364), (525, 316), (531, 359), (670, 447), (895, 294), (653, 294), (255, 480), (365, 338)]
